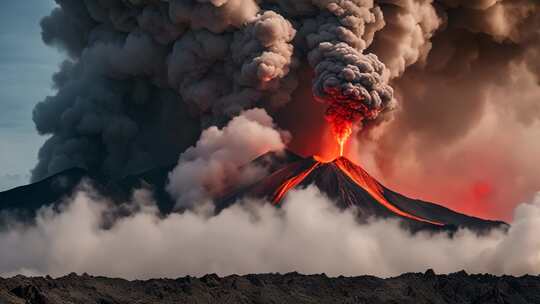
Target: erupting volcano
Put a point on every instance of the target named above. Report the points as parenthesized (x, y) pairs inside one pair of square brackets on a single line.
[(350, 186)]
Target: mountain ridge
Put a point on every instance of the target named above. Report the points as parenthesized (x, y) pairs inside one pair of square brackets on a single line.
[(349, 185), (409, 288), (329, 177)]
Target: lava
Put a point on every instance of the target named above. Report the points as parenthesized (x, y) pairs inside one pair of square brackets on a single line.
[(342, 115), (371, 186), (292, 182), (357, 175), (341, 119), (342, 136)]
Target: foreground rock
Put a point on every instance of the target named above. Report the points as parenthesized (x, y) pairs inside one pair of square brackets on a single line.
[(274, 288)]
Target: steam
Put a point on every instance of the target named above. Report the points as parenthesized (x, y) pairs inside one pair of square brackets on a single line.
[(308, 235), (217, 163)]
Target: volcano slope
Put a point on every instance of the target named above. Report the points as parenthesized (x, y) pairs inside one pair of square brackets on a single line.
[(350, 186), (22, 203)]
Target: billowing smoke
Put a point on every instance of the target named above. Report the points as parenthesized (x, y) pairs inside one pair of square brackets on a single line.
[(308, 234), (468, 91), (144, 78), (351, 83), (217, 163)]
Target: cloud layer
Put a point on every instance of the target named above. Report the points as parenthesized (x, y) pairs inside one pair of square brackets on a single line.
[(308, 235)]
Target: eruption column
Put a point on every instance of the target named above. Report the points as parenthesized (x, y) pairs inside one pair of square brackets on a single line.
[(342, 115), (354, 87)]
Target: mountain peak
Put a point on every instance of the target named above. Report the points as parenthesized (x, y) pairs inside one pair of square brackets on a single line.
[(350, 186)]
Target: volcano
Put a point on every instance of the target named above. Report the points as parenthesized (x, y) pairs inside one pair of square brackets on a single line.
[(350, 186), (345, 183)]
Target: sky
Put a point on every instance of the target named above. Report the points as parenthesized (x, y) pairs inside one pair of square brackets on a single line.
[(26, 67)]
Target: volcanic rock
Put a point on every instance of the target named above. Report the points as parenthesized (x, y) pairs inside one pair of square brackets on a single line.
[(412, 288)]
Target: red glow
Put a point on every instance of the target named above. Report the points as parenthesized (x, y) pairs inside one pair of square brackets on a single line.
[(292, 182), (370, 185), (482, 190), (342, 135), (357, 175), (342, 114), (304, 118), (341, 119)]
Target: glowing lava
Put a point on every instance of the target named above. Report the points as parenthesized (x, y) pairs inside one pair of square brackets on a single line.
[(342, 135), (357, 175), (341, 120), (371, 186), (292, 182), (342, 115)]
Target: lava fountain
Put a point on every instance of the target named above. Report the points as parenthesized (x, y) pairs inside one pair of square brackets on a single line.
[(342, 115)]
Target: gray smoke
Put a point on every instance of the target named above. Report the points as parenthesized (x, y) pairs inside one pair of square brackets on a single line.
[(145, 77), (353, 85), (467, 83)]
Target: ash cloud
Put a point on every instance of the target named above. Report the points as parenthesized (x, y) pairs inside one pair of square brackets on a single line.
[(144, 78), (308, 234), (136, 64), (470, 94)]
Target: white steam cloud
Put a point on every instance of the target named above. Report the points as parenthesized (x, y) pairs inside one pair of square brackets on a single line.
[(218, 161), (309, 234)]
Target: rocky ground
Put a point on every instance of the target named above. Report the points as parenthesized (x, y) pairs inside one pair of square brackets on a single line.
[(274, 288)]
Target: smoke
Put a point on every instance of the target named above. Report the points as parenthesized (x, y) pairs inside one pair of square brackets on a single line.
[(351, 83), (469, 105), (217, 163), (308, 234), (143, 78)]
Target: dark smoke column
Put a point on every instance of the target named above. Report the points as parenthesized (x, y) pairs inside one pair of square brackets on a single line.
[(352, 84), (145, 76)]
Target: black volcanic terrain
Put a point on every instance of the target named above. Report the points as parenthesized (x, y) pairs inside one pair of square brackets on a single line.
[(427, 288)]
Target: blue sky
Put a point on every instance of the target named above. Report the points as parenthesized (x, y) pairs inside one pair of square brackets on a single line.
[(26, 67)]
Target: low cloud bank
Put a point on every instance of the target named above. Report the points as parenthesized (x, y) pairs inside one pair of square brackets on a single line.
[(308, 235)]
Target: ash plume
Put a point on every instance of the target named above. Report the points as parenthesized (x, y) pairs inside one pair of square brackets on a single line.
[(134, 64), (470, 93), (144, 77), (351, 83), (218, 57)]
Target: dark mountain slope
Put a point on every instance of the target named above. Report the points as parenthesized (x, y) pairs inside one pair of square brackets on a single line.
[(348, 185), (24, 201)]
